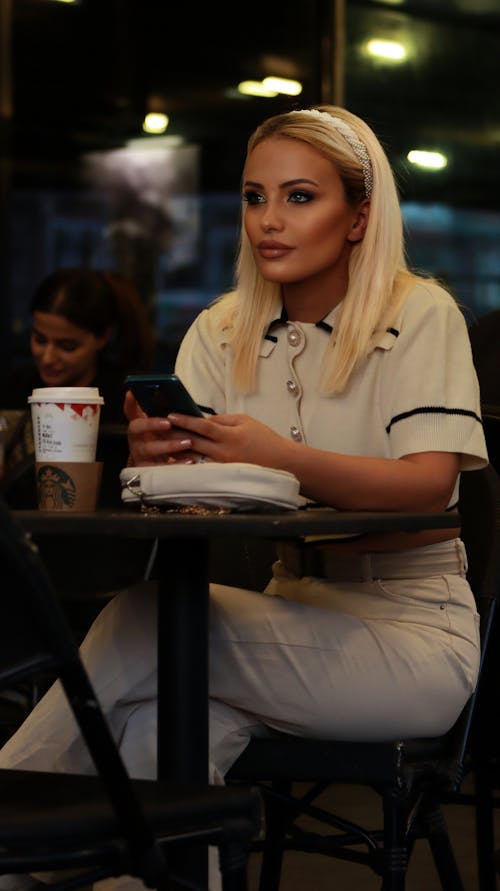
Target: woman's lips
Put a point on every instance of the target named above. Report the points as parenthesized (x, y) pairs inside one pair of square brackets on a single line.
[(272, 249)]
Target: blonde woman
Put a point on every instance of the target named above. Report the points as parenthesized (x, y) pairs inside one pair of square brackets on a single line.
[(330, 359)]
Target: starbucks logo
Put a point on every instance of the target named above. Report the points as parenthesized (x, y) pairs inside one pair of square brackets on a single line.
[(56, 490)]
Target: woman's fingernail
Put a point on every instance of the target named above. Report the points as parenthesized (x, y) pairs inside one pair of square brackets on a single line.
[(185, 442)]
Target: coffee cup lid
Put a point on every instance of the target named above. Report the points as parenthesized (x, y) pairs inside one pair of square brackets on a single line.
[(66, 394)]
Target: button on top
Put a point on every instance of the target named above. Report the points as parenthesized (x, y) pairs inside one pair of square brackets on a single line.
[(295, 434), (293, 337), (291, 386)]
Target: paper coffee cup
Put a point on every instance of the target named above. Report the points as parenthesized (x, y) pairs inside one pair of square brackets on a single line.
[(65, 423), (68, 485)]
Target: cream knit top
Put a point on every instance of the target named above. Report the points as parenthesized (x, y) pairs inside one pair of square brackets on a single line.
[(416, 392)]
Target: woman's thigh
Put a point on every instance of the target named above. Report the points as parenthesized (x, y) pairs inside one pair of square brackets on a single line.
[(318, 671)]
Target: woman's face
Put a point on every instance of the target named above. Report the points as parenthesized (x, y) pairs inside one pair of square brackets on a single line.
[(65, 354), (296, 216)]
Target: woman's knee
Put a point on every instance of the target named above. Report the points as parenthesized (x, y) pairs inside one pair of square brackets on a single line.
[(127, 623)]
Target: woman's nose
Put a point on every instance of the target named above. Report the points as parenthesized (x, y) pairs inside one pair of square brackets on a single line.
[(270, 218), (48, 353)]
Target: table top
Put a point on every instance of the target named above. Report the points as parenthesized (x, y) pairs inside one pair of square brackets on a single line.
[(285, 524)]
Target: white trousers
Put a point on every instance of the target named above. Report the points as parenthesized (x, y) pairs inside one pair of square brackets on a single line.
[(370, 659)]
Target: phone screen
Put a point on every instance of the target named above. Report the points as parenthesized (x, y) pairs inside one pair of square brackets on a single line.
[(158, 395)]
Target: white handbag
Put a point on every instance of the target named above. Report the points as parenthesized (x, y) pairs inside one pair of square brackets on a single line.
[(230, 487)]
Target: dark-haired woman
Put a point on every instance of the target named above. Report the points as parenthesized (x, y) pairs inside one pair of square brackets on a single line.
[(89, 328)]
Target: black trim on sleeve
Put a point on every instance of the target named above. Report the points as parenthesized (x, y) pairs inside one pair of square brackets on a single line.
[(432, 410)]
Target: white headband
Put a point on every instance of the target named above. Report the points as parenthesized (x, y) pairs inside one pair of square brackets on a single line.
[(358, 147)]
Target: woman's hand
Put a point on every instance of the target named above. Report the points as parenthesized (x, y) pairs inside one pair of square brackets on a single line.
[(235, 437), (155, 440)]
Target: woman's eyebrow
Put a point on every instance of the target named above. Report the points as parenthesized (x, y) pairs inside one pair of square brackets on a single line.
[(285, 185)]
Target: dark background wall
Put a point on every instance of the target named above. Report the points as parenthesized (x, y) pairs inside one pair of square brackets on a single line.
[(77, 79)]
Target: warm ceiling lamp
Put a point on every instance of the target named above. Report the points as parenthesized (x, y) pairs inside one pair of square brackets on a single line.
[(255, 88), (389, 50), (155, 122), (270, 87), (283, 85), (427, 160)]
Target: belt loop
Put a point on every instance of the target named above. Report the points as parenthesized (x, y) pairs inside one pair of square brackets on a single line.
[(462, 556)]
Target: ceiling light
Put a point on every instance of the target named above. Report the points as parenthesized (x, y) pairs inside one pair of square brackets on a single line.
[(155, 122), (386, 49), (255, 88), (428, 160), (283, 85), (270, 87)]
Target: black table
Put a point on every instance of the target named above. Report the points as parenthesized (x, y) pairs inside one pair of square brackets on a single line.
[(183, 570)]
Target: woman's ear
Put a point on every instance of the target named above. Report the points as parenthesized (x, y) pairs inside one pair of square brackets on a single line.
[(360, 222)]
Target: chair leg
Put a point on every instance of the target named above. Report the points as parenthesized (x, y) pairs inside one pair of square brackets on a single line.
[(276, 822), (395, 860), (442, 850), (233, 860)]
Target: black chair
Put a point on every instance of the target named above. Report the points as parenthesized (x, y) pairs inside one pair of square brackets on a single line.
[(480, 525), (412, 777), (491, 425), (105, 824)]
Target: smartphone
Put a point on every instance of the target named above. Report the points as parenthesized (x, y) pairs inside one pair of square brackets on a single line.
[(158, 395)]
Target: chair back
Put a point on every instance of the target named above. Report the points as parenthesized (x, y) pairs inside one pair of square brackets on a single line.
[(479, 505), (490, 413)]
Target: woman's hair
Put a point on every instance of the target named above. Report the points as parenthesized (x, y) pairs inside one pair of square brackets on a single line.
[(378, 275), (101, 301)]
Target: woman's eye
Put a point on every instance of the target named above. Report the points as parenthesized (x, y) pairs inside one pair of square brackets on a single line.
[(253, 197), (300, 197)]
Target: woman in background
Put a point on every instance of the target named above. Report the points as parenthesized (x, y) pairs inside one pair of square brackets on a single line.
[(89, 328)]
